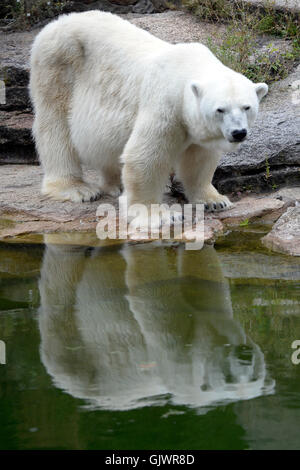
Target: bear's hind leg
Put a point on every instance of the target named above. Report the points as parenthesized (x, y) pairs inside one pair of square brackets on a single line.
[(110, 179), (63, 178)]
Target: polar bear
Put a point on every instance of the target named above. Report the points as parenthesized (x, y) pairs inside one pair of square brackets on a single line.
[(111, 96)]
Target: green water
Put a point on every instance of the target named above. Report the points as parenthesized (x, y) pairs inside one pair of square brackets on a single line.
[(149, 346)]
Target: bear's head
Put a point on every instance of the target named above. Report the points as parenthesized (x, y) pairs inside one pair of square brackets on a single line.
[(223, 108)]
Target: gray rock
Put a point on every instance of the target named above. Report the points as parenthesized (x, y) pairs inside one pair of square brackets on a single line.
[(17, 99), (271, 155), (118, 6), (16, 144), (289, 195), (255, 208), (14, 73), (285, 234), (283, 5)]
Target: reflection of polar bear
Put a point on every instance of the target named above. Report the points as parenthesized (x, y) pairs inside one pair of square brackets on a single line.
[(133, 328), (104, 89)]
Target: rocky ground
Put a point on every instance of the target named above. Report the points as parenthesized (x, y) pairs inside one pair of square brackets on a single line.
[(24, 211), (269, 160)]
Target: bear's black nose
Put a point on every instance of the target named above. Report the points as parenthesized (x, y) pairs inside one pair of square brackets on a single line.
[(239, 134)]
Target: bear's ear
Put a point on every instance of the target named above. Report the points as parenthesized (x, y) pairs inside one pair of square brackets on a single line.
[(196, 89), (261, 90)]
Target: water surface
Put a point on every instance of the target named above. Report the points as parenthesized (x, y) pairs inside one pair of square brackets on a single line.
[(148, 346)]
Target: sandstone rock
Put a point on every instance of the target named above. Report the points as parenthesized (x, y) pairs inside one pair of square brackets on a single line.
[(253, 208), (285, 235), (20, 194), (23, 210), (213, 228), (29, 227)]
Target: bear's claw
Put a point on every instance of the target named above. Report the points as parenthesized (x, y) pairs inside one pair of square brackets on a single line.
[(217, 206)]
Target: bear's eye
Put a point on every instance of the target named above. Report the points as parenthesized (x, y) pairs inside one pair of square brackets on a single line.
[(246, 108), (220, 110)]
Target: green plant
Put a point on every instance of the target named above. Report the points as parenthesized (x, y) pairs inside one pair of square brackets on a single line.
[(24, 13), (244, 223), (267, 174), (245, 25)]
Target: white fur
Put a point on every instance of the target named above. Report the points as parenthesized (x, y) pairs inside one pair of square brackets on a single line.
[(110, 95)]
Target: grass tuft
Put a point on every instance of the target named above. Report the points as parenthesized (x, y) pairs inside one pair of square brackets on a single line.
[(22, 14), (246, 28)]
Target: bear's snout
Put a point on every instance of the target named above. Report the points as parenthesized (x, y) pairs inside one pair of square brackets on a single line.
[(239, 135)]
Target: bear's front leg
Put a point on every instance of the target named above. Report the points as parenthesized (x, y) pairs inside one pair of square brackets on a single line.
[(143, 188), (195, 171), (148, 158)]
